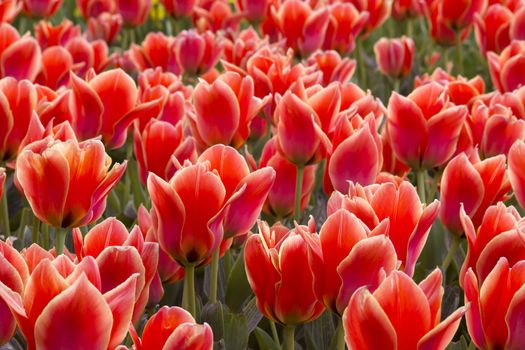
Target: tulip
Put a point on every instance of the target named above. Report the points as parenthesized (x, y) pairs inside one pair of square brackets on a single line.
[(48, 34), (492, 29), (215, 16), (279, 270), (346, 23), (475, 185), (52, 105), (333, 67), (105, 26), (424, 127), (95, 113), (494, 318), (41, 8), (254, 10), (46, 170), (62, 302), (120, 255), (391, 164), (238, 50), (175, 328), (134, 12), (9, 9), (352, 96), (407, 9), (394, 57), (516, 154), (89, 55), (381, 319), (224, 110), (151, 78), (378, 12), (93, 8), (195, 53), (409, 219), (57, 62), (14, 275), (180, 8), (506, 69), (154, 51), (280, 202), (19, 56)]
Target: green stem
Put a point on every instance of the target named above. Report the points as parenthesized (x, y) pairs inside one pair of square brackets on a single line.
[(275, 335), (397, 83), (136, 185), (289, 337), (45, 236), (298, 191), (189, 289), (4, 213), (459, 53), (420, 179), (451, 252), (214, 275), (35, 229), (114, 202), (340, 333), (60, 239), (362, 63), (24, 218)]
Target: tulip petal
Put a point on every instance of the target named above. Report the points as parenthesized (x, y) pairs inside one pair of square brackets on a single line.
[(162, 324), (22, 59), (515, 320), (473, 314), (190, 337), (442, 334)]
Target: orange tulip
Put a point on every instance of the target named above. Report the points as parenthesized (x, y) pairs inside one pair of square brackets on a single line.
[(400, 314), (394, 57), (66, 182), (345, 25), (333, 67)]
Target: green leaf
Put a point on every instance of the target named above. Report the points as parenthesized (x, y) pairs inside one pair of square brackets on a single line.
[(264, 340), (321, 331), (230, 330), (253, 315), (238, 289)]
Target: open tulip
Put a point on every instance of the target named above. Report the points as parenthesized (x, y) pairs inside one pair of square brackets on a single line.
[(344, 26), (409, 220), (48, 34), (62, 302), (424, 127), (279, 270), (153, 52), (66, 182), (476, 185), (400, 314), (333, 66), (57, 62), (506, 69), (394, 57), (215, 16), (494, 318)]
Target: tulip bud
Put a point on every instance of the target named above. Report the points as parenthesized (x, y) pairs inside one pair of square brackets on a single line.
[(394, 57), (134, 12), (41, 8)]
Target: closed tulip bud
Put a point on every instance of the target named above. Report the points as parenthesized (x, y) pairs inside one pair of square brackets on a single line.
[(492, 29), (494, 318), (280, 202), (475, 185), (280, 272), (424, 127), (9, 9), (105, 26), (394, 57), (224, 110), (41, 8), (63, 301), (196, 53), (180, 8), (379, 319), (93, 8), (407, 9), (175, 328), (96, 113), (134, 12), (506, 68), (254, 10), (48, 171), (345, 25), (410, 221), (14, 274), (19, 56)]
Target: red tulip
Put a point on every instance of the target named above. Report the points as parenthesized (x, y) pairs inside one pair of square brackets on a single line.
[(89, 55), (407, 9), (134, 12), (48, 34), (279, 270), (424, 127), (352, 96), (14, 275), (19, 56), (400, 314), (254, 10), (238, 50), (280, 202), (492, 29), (391, 164), (95, 113), (41, 8), (494, 319), (46, 171), (62, 302), (175, 328), (233, 98), (57, 63), (120, 255), (517, 179), (105, 26), (93, 8), (180, 8), (151, 78), (394, 57), (333, 67), (196, 53), (346, 23), (409, 220), (475, 185), (154, 51), (52, 105), (378, 12), (506, 69), (157, 143), (9, 9), (214, 16)]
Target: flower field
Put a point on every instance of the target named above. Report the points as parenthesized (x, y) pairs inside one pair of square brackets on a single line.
[(262, 174)]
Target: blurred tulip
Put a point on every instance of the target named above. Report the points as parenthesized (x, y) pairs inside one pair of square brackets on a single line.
[(180, 8), (57, 63), (9, 9), (516, 175), (395, 57), (13, 275), (475, 185), (409, 219), (95, 113), (41, 8), (48, 34), (48, 170), (153, 52), (254, 10), (224, 110), (19, 56), (279, 270), (214, 16), (63, 301), (492, 29), (120, 255), (407, 9), (134, 12), (494, 318), (381, 319), (238, 50), (345, 24), (333, 67), (175, 328), (105, 26), (196, 53), (424, 126), (506, 70), (93, 8), (157, 144)]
